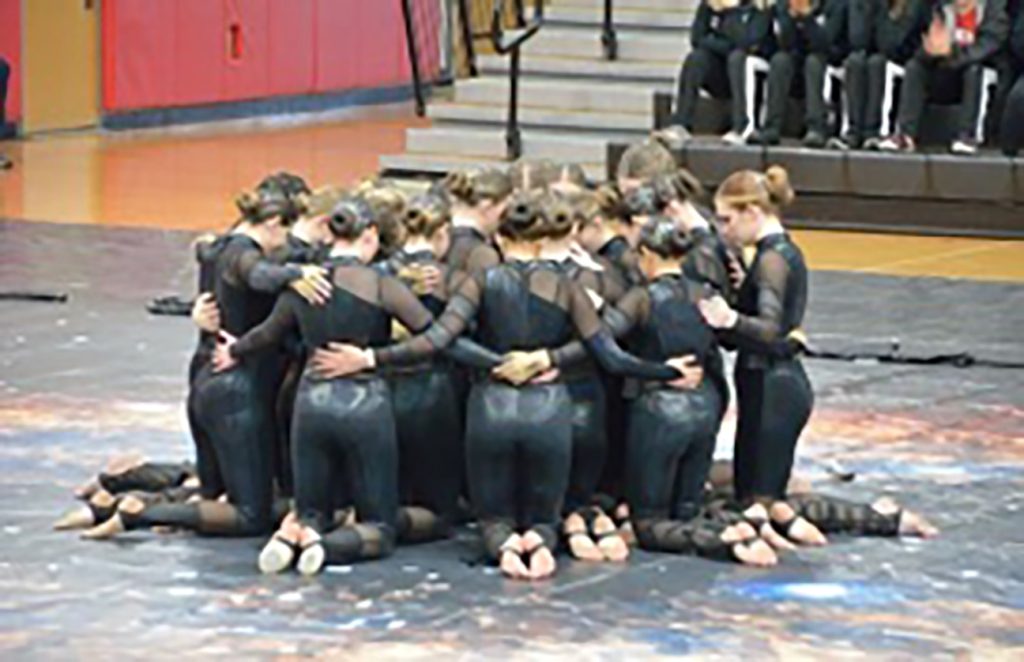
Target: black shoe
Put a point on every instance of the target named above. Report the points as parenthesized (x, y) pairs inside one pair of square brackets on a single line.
[(765, 138), (5, 163), (814, 140)]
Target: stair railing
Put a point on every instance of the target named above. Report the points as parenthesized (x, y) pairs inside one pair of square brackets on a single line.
[(510, 43)]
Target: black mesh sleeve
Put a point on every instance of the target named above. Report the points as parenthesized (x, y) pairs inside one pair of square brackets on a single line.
[(262, 275), (442, 333), (772, 276), (273, 329), (603, 347)]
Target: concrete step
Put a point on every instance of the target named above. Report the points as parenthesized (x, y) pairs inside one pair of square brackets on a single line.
[(622, 124), (585, 42), (565, 94), (489, 142), (649, 20), (441, 163), (565, 67), (622, 5)]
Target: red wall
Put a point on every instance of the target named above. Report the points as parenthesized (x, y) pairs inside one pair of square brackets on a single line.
[(10, 49), (182, 52)]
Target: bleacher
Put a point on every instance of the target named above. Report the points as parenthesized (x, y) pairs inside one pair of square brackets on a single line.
[(577, 106)]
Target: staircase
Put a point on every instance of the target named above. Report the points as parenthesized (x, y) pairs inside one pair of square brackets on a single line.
[(573, 102)]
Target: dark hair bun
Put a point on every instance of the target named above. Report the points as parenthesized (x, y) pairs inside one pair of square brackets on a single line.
[(523, 218), (350, 218), (263, 205), (426, 214), (660, 235), (780, 191)]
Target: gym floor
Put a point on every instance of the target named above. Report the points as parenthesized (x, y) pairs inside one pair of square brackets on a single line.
[(108, 219)]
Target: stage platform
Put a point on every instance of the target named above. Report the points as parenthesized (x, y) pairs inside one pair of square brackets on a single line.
[(98, 376)]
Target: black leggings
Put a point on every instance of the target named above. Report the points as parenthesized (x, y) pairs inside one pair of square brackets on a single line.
[(431, 461), (519, 452), (774, 406), (864, 79), (1012, 132), (671, 443), (589, 441), (344, 431), (233, 428), (722, 77)]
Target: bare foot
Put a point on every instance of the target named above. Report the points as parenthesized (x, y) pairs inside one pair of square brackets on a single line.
[(511, 560), (106, 530), (799, 529), (79, 517), (279, 552), (911, 523), (115, 524), (512, 565), (542, 563), (622, 512), (756, 513), (757, 553), (775, 539), (311, 560), (581, 545), (86, 490), (610, 541), (741, 532)]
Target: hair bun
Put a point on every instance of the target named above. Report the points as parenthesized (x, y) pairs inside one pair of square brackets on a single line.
[(350, 218), (661, 236)]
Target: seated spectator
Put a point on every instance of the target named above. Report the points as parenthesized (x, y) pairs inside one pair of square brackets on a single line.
[(962, 37), (1012, 132), (725, 33), (812, 34), (881, 31)]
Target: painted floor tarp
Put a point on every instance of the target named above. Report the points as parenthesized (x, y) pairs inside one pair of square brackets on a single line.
[(97, 376)]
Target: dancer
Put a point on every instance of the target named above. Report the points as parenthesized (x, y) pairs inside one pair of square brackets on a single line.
[(232, 413), (519, 439), (774, 395), (344, 426)]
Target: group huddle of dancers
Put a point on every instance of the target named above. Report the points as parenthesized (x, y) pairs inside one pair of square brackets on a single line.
[(515, 350)]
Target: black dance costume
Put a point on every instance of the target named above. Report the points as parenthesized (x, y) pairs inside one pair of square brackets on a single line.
[(346, 427), (232, 413), (428, 419), (774, 395), (519, 439)]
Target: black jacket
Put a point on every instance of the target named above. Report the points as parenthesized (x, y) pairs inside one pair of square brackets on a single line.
[(898, 36), (746, 27), (1016, 44), (824, 31)]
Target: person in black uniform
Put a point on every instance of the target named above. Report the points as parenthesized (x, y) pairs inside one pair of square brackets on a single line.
[(232, 414), (811, 34), (774, 396), (427, 411), (963, 37), (478, 200), (1012, 124), (591, 535), (881, 31), (725, 33), (519, 438), (341, 425)]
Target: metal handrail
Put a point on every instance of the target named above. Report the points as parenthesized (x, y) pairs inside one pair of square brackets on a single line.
[(609, 38), (510, 44), (414, 60)]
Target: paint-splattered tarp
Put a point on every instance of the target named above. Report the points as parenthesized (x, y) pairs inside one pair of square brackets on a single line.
[(98, 376)]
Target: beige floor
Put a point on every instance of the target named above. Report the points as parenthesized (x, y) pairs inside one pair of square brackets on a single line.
[(188, 178)]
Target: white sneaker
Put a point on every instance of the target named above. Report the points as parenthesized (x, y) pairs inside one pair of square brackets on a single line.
[(739, 138), (964, 147)]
